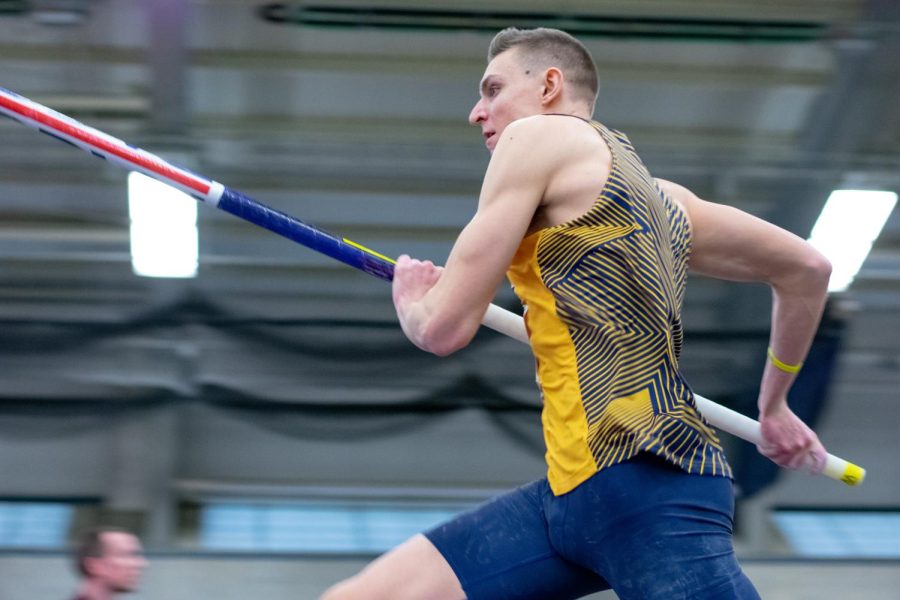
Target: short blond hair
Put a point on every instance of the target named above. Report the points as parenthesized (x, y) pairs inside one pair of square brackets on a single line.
[(543, 48)]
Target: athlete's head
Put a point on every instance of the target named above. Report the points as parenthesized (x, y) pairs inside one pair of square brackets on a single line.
[(533, 71)]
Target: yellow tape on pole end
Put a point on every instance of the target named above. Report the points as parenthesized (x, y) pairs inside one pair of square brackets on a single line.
[(853, 475)]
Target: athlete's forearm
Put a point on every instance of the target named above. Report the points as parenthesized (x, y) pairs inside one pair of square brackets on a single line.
[(798, 299), (413, 319)]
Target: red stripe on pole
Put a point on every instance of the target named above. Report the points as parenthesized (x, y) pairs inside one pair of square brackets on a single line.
[(126, 153)]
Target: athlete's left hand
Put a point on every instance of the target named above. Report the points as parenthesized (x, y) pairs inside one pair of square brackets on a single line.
[(789, 442)]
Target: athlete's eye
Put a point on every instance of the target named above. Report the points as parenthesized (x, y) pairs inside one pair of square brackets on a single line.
[(493, 90)]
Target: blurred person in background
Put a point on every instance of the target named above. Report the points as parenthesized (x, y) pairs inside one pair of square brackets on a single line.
[(110, 562)]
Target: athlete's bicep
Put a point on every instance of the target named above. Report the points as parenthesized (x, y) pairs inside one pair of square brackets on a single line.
[(731, 244)]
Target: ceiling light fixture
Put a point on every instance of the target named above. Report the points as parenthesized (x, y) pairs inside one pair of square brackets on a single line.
[(848, 226)]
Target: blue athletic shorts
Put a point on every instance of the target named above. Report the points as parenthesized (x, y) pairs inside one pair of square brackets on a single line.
[(644, 528)]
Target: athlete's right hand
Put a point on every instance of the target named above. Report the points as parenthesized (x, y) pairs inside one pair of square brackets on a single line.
[(412, 279)]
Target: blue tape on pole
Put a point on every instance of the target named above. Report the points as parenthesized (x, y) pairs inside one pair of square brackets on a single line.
[(245, 207)]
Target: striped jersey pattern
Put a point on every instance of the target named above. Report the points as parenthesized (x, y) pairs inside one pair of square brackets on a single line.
[(603, 296)]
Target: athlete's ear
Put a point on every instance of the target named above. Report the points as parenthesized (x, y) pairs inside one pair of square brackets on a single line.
[(552, 85)]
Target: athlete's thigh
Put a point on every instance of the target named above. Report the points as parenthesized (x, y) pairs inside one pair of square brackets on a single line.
[(502, 551), (675, 563), (414, 570), (656, 533), (679, 558)]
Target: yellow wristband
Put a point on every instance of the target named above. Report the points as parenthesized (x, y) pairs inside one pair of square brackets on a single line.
[(783, 365)]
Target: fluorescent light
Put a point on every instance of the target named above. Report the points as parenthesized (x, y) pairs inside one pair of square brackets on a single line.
[(847, 228), (163, 229)]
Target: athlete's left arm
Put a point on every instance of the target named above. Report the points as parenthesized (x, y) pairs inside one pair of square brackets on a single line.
[(441, 309), (731, 244)]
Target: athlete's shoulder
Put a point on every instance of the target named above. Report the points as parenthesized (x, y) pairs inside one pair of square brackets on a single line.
[(532, 126), (548, 134), (532, 139), (555, 124)]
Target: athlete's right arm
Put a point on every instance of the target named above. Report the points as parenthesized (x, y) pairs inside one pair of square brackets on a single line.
[(731, 244), (440, 310)]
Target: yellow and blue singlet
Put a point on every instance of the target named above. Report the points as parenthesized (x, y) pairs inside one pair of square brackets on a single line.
[(603, 297)]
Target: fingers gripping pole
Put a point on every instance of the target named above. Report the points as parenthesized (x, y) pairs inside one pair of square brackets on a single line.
[(62, 128), (719, 416), (748, 429)]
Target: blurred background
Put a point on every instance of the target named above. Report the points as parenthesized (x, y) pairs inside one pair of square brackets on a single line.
[(260, 420)]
